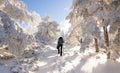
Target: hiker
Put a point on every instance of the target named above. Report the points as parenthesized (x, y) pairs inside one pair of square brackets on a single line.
[(60, 45)]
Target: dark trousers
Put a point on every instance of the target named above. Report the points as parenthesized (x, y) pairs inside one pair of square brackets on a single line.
[(59, 47)]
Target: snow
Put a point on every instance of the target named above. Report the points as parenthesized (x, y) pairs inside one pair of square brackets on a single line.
[(4, 69), (71, 62), (64, 26), (33, 50)]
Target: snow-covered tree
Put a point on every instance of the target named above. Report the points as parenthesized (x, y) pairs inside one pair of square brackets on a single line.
[(17, 10), (47, 30), (12, 35), (13, 13), (89, 17)]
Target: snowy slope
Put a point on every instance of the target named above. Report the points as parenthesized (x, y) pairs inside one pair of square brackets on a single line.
[(48, 61)]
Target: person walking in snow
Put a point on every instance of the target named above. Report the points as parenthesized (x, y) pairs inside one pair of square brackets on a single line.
[(60, 45)]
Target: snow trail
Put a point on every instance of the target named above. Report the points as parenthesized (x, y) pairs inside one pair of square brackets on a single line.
[(72, 61)]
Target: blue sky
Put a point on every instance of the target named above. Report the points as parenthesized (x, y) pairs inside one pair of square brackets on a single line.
[(56, 9)]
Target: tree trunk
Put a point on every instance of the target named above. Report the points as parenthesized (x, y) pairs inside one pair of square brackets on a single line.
[(106, 37), (96, 44), (118, 34)]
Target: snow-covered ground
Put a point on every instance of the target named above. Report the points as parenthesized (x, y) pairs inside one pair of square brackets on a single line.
[(48, 61)]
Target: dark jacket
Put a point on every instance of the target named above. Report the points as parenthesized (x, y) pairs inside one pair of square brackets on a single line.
[(60, 41)]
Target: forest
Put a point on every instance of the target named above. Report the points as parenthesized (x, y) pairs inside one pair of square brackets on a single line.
[(91, 45)]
